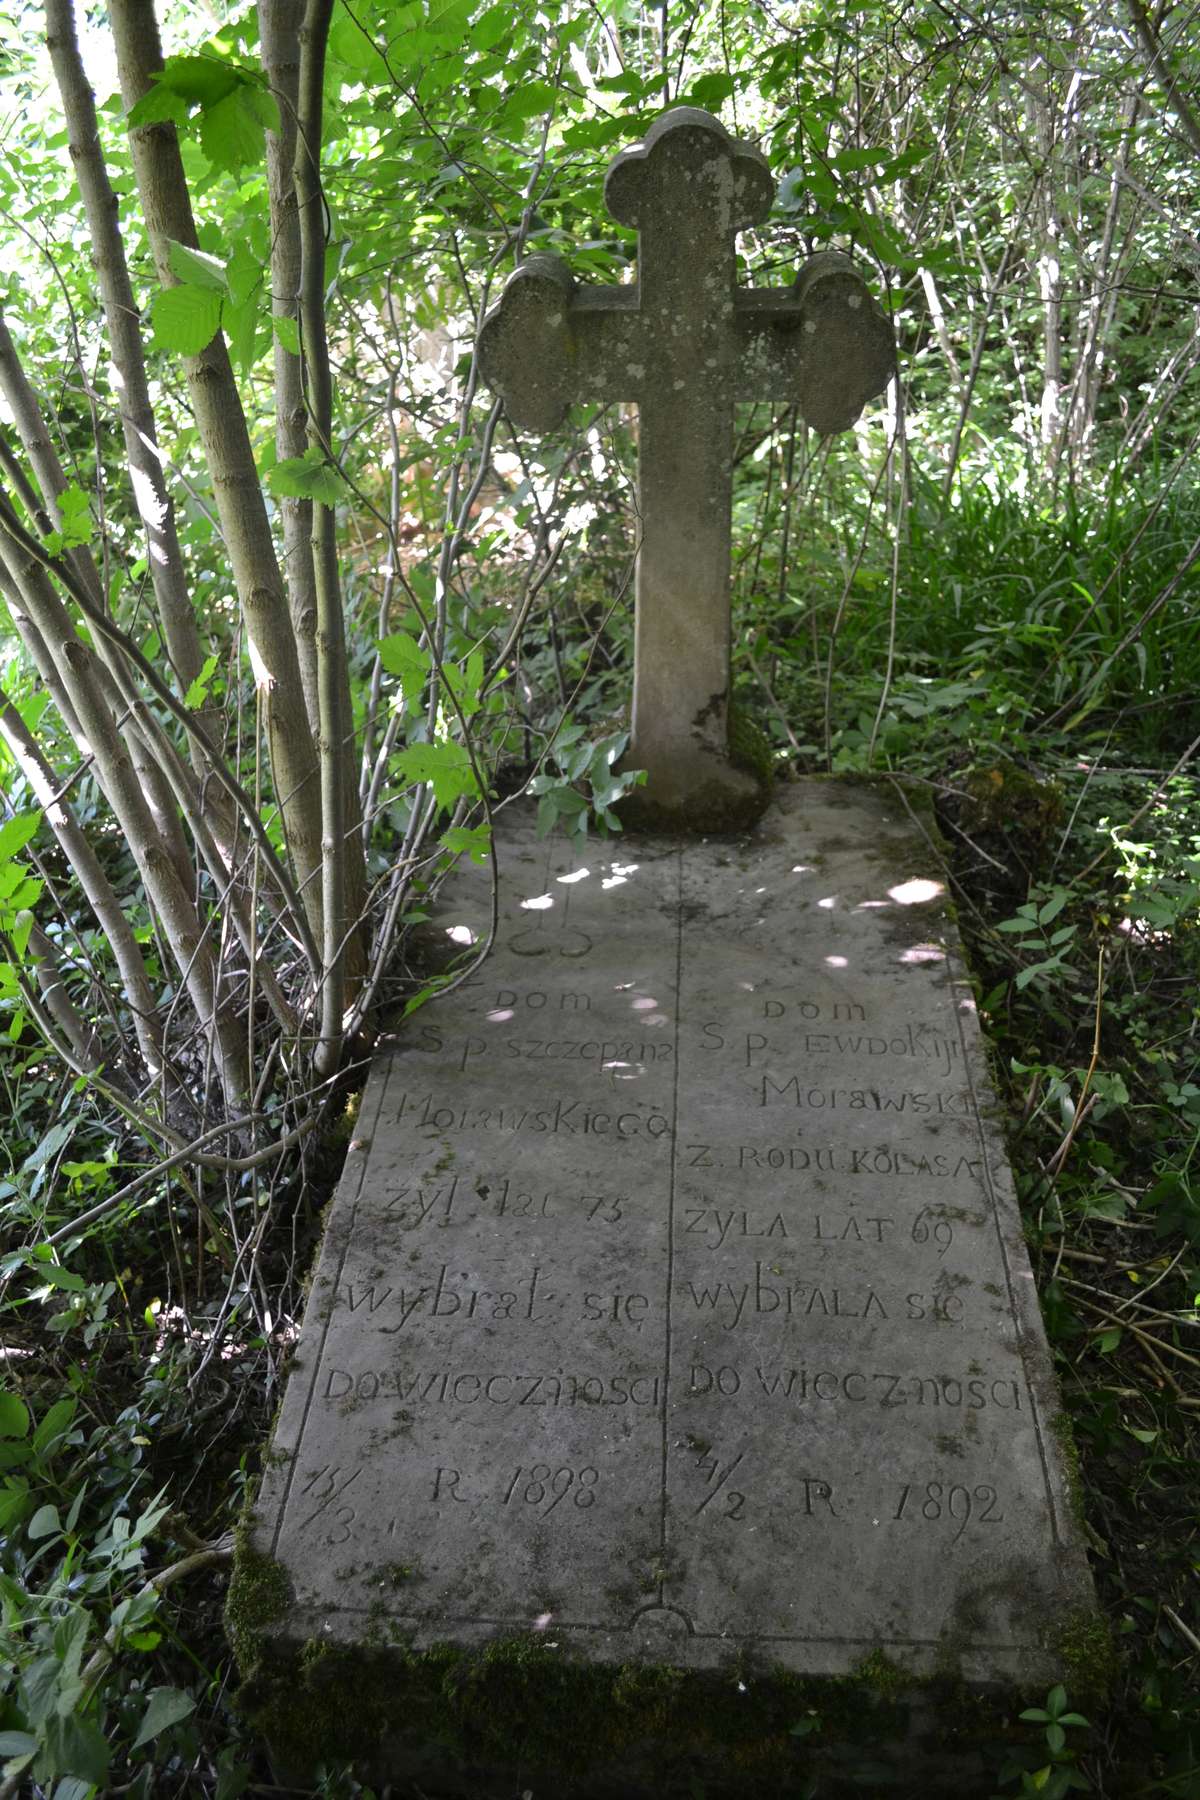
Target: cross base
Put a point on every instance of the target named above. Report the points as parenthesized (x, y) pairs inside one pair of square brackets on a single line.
[(689, 788)]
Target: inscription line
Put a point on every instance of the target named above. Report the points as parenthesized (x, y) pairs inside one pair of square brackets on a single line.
[(666, 1394)]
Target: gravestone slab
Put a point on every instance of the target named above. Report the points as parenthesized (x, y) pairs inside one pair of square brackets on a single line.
[(674, 1304)]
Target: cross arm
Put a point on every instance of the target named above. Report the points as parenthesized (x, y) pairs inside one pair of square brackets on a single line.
[(822, 345), (549, 342)]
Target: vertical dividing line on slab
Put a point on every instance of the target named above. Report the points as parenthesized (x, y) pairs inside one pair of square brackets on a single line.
[(666, 1394)]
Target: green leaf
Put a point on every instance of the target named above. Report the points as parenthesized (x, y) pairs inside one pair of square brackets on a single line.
[(75, 512), (1056, 1737), (444, 765), (17, 1743), (162, 102), (288, 332), (15, 833), (858, 159), (197, 692), (262, 103), (465, 684), (201, 79), (78, 1748), (403, 657), (73, 1787), (57, 1277), (351, 45), (240, 324), (449, 18), (1040, 968), (491, 27), (591, 134), (14, 1416), (710, 91), (186, 318), (44, 1521), (49, 1146), (24, 895), (197, 268), (308, 477), (473, 840), (230, 133), (244, 272), (54, 1422), (166, 1707), (533, 99)]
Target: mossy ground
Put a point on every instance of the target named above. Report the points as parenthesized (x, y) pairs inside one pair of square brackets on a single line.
[(521, 1707)]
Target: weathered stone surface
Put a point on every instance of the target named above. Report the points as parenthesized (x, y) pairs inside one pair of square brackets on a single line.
[(674, 1303), (685, 343)]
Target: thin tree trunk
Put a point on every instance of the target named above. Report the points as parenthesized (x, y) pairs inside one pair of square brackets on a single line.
[(937, 314), (97, 888), (154, 503), (186, 935), (52, 480), (80, 1034), (1050, 285), (1100, 308), (1153, 52), (341, 845), (166, 207), (279, 24)]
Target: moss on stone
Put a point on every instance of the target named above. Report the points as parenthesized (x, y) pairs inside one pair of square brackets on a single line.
[(1084, 1645), (1010, 798), (1064, 1433), (259, 1596), (878, 1672), (749, 746), (524, 1702)]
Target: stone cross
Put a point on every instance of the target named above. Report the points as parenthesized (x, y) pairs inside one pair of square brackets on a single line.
[(684, 344)]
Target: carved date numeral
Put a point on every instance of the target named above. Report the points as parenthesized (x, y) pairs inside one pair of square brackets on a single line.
[(325, 1486), (962, 1506), (545, 1488), (716, 1474)]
